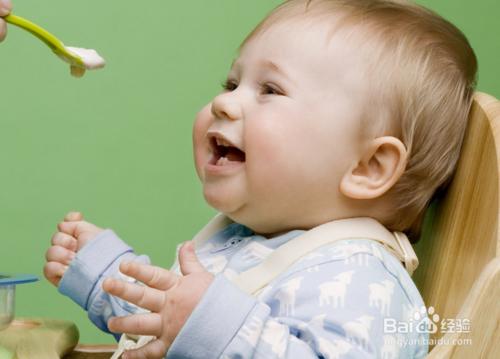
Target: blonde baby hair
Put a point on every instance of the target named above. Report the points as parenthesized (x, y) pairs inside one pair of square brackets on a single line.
[(422, 75)]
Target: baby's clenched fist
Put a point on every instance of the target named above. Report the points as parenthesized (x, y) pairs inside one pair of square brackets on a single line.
[(73, 233), (75, 227)]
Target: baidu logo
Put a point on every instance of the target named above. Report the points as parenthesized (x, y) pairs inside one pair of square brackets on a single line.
[(426, 320)]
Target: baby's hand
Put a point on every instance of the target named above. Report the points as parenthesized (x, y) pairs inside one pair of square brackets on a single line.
[(170, 298), (75, 227), (5, 9), (73, 233)]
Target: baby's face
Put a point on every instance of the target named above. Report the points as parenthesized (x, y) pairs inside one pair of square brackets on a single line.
[(290, 121)]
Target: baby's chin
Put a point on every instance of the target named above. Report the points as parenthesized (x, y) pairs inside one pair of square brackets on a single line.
[(226, 202), (245, 214)]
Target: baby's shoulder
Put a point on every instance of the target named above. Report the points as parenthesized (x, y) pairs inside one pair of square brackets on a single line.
[(360, 251), (364, 257), (355, 254)]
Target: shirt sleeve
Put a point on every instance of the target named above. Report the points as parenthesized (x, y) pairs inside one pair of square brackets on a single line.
[(82, 281), (334, 309)]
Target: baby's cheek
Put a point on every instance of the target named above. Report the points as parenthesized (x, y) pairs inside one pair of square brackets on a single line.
[(200, 143), (268, 146), (268, 169), (200, 158)]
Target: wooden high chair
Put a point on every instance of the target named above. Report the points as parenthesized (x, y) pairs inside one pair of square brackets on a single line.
[(459, 252)]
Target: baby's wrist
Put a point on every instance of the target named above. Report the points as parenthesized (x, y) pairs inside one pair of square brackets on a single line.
[(87, 237)]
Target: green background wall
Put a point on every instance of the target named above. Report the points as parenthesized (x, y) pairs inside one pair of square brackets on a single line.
[(116, 144)]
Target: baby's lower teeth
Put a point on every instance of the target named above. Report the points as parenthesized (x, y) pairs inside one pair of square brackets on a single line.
[(221, 161)]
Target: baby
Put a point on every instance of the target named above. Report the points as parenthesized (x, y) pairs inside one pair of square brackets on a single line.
[(342, 112)]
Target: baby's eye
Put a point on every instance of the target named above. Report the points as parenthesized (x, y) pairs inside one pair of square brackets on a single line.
[(229, 85), (268, 89)]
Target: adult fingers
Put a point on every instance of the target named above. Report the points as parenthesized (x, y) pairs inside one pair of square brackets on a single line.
[(152, 276), (140, 295), (139, 324), (54, 271), (153, 350), (3, 29), (5, 7), (59, 254), (73, 216), (64, 240)]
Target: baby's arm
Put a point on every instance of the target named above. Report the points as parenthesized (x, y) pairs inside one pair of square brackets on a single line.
[(81, 257)]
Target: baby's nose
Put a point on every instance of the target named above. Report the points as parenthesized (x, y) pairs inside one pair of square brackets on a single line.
[(225, 108)]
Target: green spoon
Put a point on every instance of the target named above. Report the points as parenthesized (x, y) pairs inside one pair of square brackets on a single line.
[(50, 40)]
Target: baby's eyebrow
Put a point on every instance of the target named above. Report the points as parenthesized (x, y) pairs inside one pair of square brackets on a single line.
[(274, 67), (267, 64)]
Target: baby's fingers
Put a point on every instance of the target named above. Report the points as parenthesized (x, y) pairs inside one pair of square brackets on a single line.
[(65, 240), (145, 297), (77, 228), (153, 350), (73, 216), (59, 254), (54, 271), (152, 276), (140, 324)]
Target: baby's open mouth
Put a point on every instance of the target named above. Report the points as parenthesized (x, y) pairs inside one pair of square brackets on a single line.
[(224, 152)]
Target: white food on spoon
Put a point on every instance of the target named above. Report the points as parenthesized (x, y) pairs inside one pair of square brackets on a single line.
[(91, 59)]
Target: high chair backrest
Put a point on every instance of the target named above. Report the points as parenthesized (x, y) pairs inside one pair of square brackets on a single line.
[(459, 272)]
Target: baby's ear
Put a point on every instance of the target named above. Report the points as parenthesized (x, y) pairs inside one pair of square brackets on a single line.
[(377, 171)]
